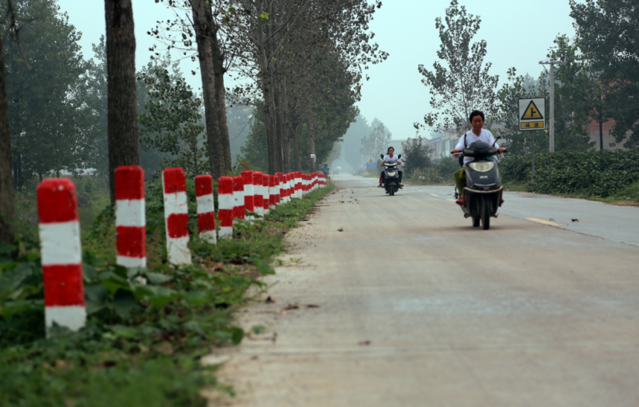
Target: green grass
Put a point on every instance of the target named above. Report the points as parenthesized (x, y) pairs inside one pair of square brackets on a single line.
[(142, 343)]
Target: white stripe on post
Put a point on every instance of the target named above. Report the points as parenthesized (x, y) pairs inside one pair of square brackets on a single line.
[(225, 206), (259, 195), (176, 213), (249, 192), (130, 218), (61, 254), (205, 208), (266, 195)]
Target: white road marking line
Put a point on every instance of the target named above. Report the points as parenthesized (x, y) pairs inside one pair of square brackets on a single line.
[(545, 222), (434, 195), (452, 200)]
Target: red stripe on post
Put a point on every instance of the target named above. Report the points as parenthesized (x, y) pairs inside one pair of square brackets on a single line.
[(238, 186), (225, 185), (57, 201), (63, 285), (247, 177), (174, 180), (129, 182), (177, 224), (225, 217), (131, 241), (206, 222), (203, 185)]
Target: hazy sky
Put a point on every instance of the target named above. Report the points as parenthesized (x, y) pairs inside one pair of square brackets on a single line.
[(518, 33)]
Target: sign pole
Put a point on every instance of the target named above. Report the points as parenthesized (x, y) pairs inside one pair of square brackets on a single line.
[(533, 156), (551, 125)]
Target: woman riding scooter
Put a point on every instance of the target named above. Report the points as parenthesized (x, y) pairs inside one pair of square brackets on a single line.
[(478, 132), (390, 158)]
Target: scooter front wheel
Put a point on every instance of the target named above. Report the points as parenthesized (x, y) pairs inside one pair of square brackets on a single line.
[(485, 212), (476, 222)]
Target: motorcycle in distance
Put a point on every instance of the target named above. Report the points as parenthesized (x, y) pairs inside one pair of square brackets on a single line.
[(483, 191), (391, 176)]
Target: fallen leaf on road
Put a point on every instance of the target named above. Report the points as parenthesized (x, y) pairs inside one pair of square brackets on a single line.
[(291, 306), (575, 220), (269, 300), (312, 306), (340, 229), (364, 343)]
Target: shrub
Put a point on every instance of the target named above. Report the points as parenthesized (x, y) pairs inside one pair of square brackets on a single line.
[(602, 173)]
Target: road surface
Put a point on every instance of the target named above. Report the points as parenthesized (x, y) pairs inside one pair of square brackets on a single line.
[(411, 306)]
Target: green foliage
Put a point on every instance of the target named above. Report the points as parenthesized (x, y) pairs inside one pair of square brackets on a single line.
[(50, 122), (138, 336), (601, 174), (376, 142), (172, 123), (446, 167), (417, 154), (463, 84), (607, 35)]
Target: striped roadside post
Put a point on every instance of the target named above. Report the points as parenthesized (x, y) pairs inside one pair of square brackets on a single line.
[(205, 208), (266, 196), (272, 192), (284, 188), (289, 187), (298, 184), (238, 198), (279, 185), (225, 206), (61, 254), (176, 213), (303, 187), (249, 192), (130, 217), (259, 195)]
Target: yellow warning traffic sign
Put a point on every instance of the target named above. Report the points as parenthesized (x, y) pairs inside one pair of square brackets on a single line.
[(532, 112)]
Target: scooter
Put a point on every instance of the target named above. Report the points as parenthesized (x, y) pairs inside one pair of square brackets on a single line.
[(483, 192), (391, 176)]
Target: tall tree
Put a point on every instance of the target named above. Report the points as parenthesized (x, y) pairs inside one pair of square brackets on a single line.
[(377, 141), (50, 115), (465, 84), (122, 97), (8, 21), (608, 34)]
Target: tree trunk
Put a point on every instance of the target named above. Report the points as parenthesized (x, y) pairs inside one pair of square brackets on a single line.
[(203, 25), (122, 98), (279, 123), (220, 99), (286, 133), (7, 193), (296, 148), (311, 143)]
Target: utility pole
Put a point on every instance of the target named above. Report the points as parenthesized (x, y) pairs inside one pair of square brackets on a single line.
[(551, 124)]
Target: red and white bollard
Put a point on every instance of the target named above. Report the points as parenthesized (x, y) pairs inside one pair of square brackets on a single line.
[(278, 188), (297, 182), (130, 216), (205, 208), (259, 196), (266, 196), (272, 191), (225, 206), (61, 254), (284, 188), (249, 192), (238, 198), (289, 187), (176, 213)]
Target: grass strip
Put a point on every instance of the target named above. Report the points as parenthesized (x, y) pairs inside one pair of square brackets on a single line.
[(143, 342)]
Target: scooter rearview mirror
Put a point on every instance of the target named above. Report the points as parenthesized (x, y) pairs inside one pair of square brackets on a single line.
[(382, 155), (399, 156)]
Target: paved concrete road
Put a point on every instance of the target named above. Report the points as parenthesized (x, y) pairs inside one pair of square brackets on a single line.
[(417, 308)]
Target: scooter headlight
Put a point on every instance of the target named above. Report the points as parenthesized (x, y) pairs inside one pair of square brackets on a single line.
[(391, 173), (483, 166)]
